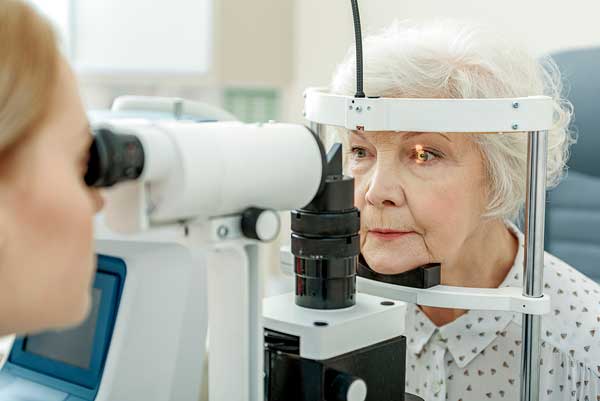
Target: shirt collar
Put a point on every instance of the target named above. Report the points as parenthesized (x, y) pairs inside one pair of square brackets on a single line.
[(470, 334)]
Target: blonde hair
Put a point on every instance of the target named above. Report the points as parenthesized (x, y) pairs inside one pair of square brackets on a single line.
[(28, 67), (451, 59)]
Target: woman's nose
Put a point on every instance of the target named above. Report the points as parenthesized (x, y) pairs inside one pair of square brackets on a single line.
[(385, 190)]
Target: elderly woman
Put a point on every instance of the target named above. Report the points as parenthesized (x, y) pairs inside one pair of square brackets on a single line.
[(46, 210), (452, 198)]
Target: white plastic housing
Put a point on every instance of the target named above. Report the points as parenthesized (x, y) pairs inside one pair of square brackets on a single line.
[(179, 109), (533, 113), (196, 171), (367, 323), (160, 151), (158, 347)]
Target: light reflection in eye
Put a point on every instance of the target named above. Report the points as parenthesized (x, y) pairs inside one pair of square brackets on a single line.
[(422, 155)]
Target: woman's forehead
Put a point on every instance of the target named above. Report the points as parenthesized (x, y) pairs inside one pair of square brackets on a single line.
[(396, 136)]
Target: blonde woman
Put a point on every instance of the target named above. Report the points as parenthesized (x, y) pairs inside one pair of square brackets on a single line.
[(451, 198), (46, 211)]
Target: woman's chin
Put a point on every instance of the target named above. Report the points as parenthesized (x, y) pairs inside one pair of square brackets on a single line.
[(389, 264)]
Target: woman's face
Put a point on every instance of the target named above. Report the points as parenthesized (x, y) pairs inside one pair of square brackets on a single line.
[(46, 219), (421, 196)]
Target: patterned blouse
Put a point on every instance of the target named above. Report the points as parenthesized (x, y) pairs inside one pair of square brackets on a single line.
[(478, 356)]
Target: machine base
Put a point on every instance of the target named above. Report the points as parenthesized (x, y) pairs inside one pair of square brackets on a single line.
[(381, 367)]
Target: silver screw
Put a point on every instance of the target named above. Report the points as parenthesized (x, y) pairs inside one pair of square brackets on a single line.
[(222, 231), (368, 108), (515, 105), (358, 109), (515, 126)]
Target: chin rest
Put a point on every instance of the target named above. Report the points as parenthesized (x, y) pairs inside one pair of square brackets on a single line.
[(425, 276)]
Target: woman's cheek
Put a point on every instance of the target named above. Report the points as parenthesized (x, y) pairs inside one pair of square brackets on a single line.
[(433, 171), (359, 202), (432, 203), (359, 191)]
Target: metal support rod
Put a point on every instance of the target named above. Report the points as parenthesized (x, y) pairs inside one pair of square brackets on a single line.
[(319, 130), (534, 262), (235, 298)]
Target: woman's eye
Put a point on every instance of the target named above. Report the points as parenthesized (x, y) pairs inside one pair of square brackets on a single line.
[(359, 153), (422, 155)]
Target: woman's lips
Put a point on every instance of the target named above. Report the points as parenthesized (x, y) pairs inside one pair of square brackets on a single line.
[(386, 234)]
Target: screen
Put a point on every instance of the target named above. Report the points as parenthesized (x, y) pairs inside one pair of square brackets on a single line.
[(73, 346)]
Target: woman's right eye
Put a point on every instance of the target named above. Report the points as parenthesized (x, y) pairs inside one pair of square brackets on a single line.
[(359, 153)]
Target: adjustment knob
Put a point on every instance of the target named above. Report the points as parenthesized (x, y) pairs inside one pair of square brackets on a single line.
[(260, 224), (345, 387)]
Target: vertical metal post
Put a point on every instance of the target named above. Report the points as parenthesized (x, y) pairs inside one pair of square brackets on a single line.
[(236, 341), (256, 332), (534, 262), (319, 130)]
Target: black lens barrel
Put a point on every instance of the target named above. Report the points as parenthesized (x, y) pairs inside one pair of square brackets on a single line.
[(326, 242)]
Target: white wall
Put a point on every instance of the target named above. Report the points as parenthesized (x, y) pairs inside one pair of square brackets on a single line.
[(323, 30), (187, 48), (139, 37), (322, 33)]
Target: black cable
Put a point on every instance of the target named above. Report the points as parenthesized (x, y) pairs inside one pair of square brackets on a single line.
[(359, 50)]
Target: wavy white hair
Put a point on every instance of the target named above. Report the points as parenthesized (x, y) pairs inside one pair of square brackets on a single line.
[(451, 59)]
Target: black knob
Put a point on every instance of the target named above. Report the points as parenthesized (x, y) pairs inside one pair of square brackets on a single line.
[(342, 386), (260, 224)]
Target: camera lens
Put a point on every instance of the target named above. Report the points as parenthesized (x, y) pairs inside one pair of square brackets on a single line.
[(114, 158)]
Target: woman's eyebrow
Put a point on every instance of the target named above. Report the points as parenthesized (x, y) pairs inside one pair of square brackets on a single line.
[(358, 134), (410, 135)]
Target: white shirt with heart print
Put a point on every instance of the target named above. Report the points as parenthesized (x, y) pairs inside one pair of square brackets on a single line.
[(478, 356)]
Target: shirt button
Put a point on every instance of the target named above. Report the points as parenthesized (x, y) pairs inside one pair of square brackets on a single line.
[(437, 386), (438, 338)]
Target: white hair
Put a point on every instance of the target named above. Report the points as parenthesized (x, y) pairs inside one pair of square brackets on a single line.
[(450, 59)]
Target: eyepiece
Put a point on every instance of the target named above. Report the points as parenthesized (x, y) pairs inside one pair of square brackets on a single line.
[(114, 158)]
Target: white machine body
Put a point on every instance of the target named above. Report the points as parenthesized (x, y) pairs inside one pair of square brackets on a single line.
[(200, 178), (326, 334), (162, 321), (152, 347), (194, 171)]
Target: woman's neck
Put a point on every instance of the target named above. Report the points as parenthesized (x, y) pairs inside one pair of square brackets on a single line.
[(483, 261)]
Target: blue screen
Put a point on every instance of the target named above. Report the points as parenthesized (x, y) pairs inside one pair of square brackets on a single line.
[(76, 356), (73, 346)]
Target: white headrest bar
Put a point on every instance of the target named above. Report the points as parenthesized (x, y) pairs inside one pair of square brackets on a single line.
[(523, 114)]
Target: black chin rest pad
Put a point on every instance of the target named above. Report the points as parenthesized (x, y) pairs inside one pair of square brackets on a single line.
[(425, 276)]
